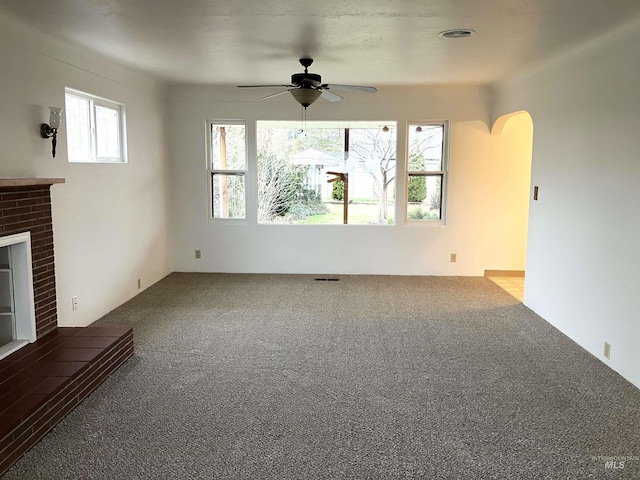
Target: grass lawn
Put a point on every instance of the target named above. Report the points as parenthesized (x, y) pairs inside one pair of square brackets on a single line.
[(359, 214)]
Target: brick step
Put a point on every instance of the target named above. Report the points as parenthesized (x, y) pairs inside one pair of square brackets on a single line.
[(43, 381)]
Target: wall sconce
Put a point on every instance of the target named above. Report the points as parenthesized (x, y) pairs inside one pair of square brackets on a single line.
[(51, 130)]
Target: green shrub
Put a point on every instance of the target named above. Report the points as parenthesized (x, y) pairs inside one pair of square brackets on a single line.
[(417, 189), (301, 211), (307, 202), (337, 190), (419, 213)]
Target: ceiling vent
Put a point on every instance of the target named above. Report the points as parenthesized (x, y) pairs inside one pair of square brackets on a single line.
[(456, 33)]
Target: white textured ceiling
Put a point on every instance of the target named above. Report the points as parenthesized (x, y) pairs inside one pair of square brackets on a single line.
[(371, 42)]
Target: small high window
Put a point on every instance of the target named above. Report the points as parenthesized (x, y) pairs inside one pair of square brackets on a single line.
[(95, 128)]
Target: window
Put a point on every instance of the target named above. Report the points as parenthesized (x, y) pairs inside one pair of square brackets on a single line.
[(330, 173), (228, 168), (95, 128), (426, 171)]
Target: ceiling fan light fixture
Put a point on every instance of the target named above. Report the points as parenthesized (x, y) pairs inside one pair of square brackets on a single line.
[(456, 33), (305, 96), (307, 87)]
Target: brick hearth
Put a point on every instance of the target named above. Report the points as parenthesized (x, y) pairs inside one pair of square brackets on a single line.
[(44, 381)]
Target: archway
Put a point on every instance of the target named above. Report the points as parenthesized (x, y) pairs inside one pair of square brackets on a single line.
[(512, 150)]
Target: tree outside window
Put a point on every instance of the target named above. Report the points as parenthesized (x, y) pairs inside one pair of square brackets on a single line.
[(295, 166)]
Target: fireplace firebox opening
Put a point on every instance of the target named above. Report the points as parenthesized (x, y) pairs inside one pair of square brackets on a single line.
[(17, 309)]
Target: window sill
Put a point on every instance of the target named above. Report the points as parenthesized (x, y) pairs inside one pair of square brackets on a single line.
[(425, 223), (228, 221), (108, 162)]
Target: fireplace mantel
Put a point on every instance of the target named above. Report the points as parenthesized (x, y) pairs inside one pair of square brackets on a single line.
[(28, 182)]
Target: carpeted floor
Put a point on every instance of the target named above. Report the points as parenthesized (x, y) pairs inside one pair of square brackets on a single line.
[(284, 377)]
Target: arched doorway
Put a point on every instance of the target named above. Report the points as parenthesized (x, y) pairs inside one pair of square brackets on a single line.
[(512, 149)]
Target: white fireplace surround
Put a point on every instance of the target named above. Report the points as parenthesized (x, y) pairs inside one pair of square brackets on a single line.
[(23, 302)]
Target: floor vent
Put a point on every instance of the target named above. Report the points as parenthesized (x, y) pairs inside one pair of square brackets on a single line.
[(327, 279)]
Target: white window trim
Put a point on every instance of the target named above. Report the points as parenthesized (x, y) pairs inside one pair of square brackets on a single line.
[(444, 172), (250, 167), (211, 171), (94, 100)]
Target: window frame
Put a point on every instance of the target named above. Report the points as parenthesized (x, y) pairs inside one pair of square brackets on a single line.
[(211, 172), (96, 101), (443, 173)]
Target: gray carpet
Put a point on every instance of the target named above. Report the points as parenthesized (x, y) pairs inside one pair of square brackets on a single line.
[(284, 377)]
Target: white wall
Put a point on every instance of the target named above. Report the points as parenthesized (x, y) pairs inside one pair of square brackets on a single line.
[(583, 263), (399, 249), (110, 221)]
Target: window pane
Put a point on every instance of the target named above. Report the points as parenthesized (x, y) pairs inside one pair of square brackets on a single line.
[(95, 128), (292, 173), (107, 132), (424, 197), (425, 147), (294, 169), (228, 196), (372, 173), (78, 128), (228, 147)]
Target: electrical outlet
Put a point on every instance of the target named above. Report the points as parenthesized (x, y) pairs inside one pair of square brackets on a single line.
[(607, 350), (198, 254), (454, 257), (74, 303), (139, 284)]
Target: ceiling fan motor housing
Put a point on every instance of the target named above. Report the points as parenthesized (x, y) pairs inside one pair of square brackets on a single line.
[(306, 79)]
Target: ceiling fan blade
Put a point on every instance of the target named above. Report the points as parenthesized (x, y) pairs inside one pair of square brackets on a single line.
[(274, 94), (357, 88), (264, 86), (332, 97)]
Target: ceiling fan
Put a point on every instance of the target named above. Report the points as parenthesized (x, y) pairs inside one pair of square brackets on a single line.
[(307, 87)]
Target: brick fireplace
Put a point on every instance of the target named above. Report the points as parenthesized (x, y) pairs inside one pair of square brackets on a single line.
[(25, 206), (44, 380)]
